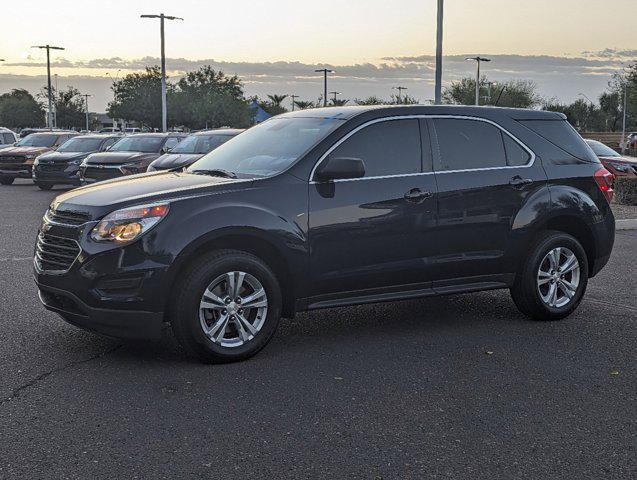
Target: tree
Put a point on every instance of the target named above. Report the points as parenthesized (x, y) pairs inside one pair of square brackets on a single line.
[(303, 104), (371, 100), (19, 109), (207, 98), (70, 109), (403, 100), (137, 97), (513, 93), (273, 104), (338, 102)]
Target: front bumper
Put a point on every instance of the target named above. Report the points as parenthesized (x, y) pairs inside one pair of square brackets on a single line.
[(63, 174), (114, 323), (20, 170)]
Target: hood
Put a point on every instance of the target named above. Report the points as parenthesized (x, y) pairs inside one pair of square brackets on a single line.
[(62, 156), (174, 160), (24, 150), (118, 158), (623, 159), (103, 197)]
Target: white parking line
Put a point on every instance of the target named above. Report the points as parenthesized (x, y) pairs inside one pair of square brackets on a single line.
[(15, 259)]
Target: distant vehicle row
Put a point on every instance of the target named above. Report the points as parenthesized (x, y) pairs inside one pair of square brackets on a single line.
[(67, 158)]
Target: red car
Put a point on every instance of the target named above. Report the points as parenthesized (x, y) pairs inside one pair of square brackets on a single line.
[(618, 165)]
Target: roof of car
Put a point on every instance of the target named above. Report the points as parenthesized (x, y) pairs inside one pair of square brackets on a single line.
[(220, 131), (54, 132), (348, 112)]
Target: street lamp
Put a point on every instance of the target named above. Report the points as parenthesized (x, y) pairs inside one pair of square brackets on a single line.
[(325, 71), (293, 97), (335, 93), (48, 48), (400, 91), (438, 87), (164, 113), (624, 116), (478, 60), (86, 95)]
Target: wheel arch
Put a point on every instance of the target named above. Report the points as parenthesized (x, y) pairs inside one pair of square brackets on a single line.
[(249, 240)]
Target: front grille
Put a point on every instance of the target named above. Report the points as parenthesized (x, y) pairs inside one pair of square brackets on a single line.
[(55, 254), (68, 217), (98, 174), (52, 167), (11, 159)]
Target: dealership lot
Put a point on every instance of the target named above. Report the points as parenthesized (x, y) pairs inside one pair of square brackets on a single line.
[(450, 387)]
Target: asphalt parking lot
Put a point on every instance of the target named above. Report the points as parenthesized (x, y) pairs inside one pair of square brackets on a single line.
[(450, 387)]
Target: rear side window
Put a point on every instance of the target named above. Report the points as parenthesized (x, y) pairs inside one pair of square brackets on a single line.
[(468, 144), (8, 138), (387, 148), (516, 155), (561, 134)]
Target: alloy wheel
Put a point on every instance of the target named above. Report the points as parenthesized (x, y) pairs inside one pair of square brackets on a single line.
[(558, 277), (233, 309)]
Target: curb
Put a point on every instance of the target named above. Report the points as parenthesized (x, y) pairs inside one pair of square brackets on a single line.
[(630, 224)]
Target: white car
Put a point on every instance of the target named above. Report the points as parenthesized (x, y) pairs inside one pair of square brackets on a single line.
[(7, 137)]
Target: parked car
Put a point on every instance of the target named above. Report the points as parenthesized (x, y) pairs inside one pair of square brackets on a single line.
[(332, 207), (128, 156), (631, 141), (192, 148), (617, 164), (62, 167), (7, 137), (109, 130), (132, 130), (17, 161)]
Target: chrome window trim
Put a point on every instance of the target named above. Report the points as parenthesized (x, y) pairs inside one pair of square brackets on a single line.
[(423, 116)]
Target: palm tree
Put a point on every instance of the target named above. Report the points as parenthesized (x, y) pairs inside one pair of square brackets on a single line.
[(373, 100), (303, 104), (276, 100), (338, 102)]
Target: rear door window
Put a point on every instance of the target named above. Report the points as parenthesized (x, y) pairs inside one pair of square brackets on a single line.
[(468, 144), (516, 155), (389, 147)]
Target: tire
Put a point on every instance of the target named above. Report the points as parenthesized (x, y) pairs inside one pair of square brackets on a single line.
[(188, 319), (44, 186), (6, 180), (530, 297)]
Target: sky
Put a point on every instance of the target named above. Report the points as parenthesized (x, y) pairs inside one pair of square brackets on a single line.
[(568, 47)]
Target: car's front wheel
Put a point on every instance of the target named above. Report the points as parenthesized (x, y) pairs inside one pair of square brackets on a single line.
[(227, 307), (552, 280), (44, 186), (6, 180)]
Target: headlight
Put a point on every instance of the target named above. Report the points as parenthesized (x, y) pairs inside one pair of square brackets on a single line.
[(621, 167), (128, 224)]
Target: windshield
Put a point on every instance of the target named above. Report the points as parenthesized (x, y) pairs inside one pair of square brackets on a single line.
[(138, 143), (38, 140), (79, 144), (269, 148), (200, 143), (602, 150)]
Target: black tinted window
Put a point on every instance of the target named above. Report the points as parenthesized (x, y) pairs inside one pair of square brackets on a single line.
[(387, 148), (562, 135), (467, 144), (516, 155)]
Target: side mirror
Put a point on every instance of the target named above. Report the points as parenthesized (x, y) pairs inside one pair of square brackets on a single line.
[(165, 150), (340, 168)]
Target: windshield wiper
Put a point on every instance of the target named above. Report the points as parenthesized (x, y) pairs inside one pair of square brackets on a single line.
[(215, 172)]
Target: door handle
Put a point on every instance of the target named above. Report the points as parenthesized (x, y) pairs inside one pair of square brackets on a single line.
[(519, 182), (416, 195)]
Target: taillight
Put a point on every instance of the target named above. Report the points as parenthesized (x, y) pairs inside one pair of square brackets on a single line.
[(604, 180)]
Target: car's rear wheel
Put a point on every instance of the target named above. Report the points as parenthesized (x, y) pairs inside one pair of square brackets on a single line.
[(44, 186), (227, 307), (553, 278), (6, 180)]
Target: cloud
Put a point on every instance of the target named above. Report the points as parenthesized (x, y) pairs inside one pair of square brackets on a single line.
[(556, 76)]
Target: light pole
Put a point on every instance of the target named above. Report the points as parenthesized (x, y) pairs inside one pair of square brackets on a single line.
[(400, 92), (624, 116), (48, 48), (438, 87), (478, 60), (335, 93), (325, 71), (164, 112), (293, 97), (86, 95)]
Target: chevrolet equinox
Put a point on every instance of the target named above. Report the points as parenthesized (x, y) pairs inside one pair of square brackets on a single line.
[(331, 207)]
